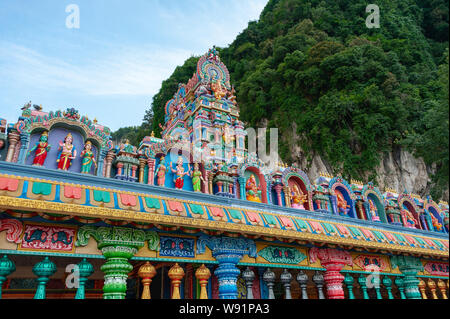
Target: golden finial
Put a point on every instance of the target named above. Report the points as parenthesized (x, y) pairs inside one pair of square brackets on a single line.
[(95, 120), (176, 273), (153, 134), (203, 274), (146, 272), (442, 287)]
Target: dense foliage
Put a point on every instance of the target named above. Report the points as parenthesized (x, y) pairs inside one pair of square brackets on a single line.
[(352, 92)]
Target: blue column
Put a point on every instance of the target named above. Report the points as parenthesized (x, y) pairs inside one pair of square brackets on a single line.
[(334, 208), (101, 157), (24, 140), (242, 187), (227, 272)]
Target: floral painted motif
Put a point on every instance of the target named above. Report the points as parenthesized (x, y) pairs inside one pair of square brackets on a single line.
[(40, 237)]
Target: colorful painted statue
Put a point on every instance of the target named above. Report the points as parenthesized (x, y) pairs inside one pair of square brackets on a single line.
[(373, 211), (342, 205), (88, 158), (197, 179), (42, 148), (66, 154), (179, 181), (298, 199), (408, 218), (218, 90), (253, 190), (437, 226), (161, 172)]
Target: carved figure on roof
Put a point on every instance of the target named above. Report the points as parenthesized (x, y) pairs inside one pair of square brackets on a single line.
[(437, 226), (218, 90), (202, 89), (232, 96), (180, 173), (88, 158), (298, 198), (197, 178), (161, 172), (67, 153), (42, 148), (408, 219), (373, 211), (253, 190), (342, 205)]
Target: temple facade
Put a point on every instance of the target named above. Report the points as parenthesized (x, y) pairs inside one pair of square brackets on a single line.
[(195, 215)]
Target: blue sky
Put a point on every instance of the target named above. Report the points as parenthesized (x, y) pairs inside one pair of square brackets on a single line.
[(111, 66)]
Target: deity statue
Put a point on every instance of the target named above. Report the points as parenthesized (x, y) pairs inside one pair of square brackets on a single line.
[(66, 154), (342, 205), (298, 199), (232, 96), (179, 181), (437, 226), (161, 172), (373, 211), (409, 219), (88, 158), (197, 178), (253, 190), (42, 148), (218, 90)]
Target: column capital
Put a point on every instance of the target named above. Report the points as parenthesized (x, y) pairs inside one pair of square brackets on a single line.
[(220, 245), (331, 256)]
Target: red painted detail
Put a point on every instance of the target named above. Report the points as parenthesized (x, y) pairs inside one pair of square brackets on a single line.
[(175, 206), (13, 229), (72, 192), (343, 230), (316, 226), (253, 217), (389, 236), (9, 184), (128, 200), (368, 234), (287, 222), (410, 239), (216, 211)]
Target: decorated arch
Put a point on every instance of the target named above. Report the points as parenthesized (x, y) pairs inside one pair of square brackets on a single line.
[(248, 190), (343, 199), (410, 211), (295, 177), (371, 193), (433, 215)]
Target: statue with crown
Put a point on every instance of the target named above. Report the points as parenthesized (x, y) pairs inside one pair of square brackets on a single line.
[(42, 148), (67, 153)]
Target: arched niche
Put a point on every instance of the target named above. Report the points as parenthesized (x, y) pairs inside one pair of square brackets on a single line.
[(56, 134), (372, 193), (291, 177), (246, 172), (406, 202), (172, 156), (340, 186), (431, 208)]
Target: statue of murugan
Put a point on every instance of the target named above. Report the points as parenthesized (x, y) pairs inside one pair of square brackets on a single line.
[(298, 198), (88, 158), (342, 205), (161, 172), (179, 171), (67, 153), (42, 148), (197, 178), (253, 190)]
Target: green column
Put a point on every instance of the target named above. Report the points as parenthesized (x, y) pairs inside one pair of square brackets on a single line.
[(43, 270), (409, 266), (118, 245), (348, 280), (362, 283), (7, 267), (401, 287), (85, 270), (387, 282), (376, 282)]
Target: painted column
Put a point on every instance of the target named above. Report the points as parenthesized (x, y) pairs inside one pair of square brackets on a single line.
[(376, 282), (7, 267), (409, 266), (142, 162), (333, 260), (442, 288), (432, 286), (401, 287), (43, 270), (85, 270), (269, 279), (151, 171), (146, 272), (13, 139), (286, 196), (24, 143), (203, 274), (348, 280), (278, 189), (242, 187), (118, 245), (319, 281), (422, 288), (249, 276), (176, 274), (362, 280), (387, 282), (101, 161), (302, 280), (286, 278), (109, 159), (228, 252)]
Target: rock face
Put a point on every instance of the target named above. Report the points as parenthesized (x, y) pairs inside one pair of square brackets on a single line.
[(398, 170)]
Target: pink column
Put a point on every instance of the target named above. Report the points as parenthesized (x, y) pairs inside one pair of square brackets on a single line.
[(278, 189), (13, 139), (119, 168), (109, 158), (219, 185), (333, 260), (133, 171), (151, 171)]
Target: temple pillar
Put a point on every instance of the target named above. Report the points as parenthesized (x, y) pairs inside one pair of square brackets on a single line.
[(151, 171), (43, 270), (401, 287), (333, 260), (319, 281), (241, 180), (387, 282), (101, 162), (409, 266), (278, 189), (142, 163), (362, 280), (287, 196), (108, 163), (302, 280), (248, 275), (286, 278), (24, 143), (13, 139), (442, 287), (228, 252), (133, 172), (7, 267), (349, 280), (422, 288), (118, 245), (432, 285), (146, 272), (203, 274), (176, 274), (85, 269), (269, 279)]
